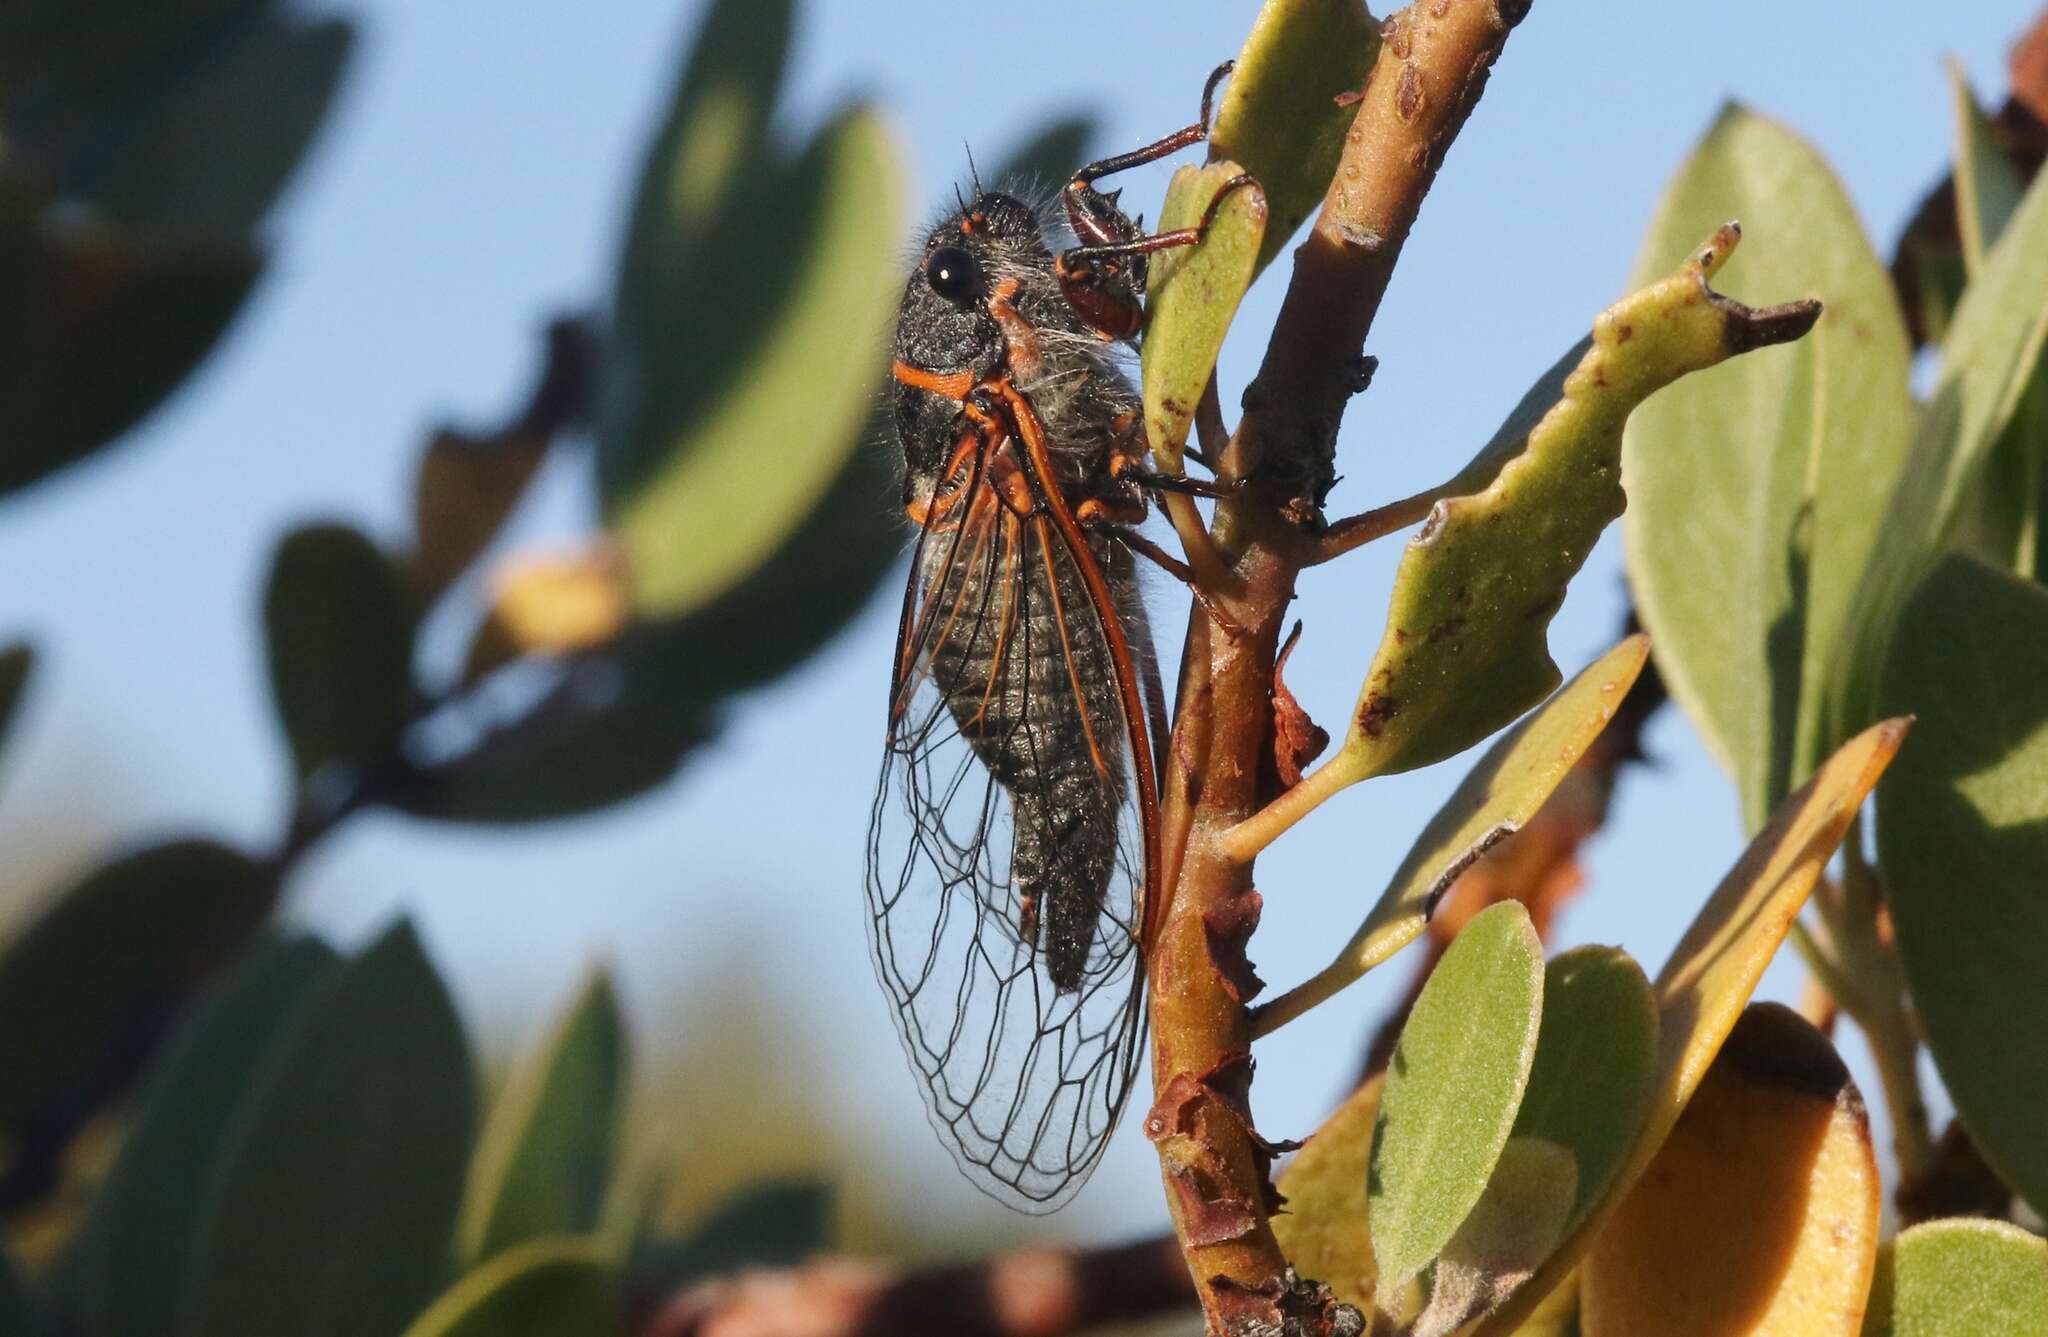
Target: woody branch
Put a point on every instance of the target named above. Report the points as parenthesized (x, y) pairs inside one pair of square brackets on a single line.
[(1430, 72)]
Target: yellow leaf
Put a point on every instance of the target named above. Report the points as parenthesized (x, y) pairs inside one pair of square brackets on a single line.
[(1760, 1213), (1323, 1232)]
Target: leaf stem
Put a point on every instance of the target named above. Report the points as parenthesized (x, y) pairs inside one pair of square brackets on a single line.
[(1244, 841)]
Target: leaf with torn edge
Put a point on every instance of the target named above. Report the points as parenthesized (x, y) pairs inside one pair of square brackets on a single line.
[(1465, 649), (1715, 967), (1191, 296), (1503, 791)]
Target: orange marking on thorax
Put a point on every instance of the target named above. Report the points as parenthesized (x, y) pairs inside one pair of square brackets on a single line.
[(1025, 357), (953, 385)]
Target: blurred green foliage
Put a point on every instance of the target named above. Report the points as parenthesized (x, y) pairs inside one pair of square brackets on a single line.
[(133, 188), (300, 1141)]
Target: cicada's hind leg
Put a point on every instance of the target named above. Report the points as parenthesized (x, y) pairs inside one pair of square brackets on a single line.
[(1104, 277)]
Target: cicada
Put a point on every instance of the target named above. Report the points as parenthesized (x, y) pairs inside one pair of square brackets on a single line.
[(1013, 853)]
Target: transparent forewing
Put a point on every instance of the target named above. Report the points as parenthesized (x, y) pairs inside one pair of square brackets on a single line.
[(1006, 855)]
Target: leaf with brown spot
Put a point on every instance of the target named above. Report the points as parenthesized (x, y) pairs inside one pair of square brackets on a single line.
[(1500, 794), (1465, 649)]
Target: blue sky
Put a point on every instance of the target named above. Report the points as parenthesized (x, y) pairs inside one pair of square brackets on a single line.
[(472, 181)]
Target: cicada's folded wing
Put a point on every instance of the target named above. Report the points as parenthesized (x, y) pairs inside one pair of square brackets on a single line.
[(1006, 872)]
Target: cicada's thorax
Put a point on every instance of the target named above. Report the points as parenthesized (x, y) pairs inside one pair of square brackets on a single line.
[(1019, 653)]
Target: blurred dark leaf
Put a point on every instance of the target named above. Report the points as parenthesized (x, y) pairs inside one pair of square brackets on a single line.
[(1962, 827), (94, 980), (95, 331), (545, 1159), (18, 1316), (775, 1224), (556, 1287), (333, 1211), (215, 151), (126, 1274), (1043, 163), (469, 482), (338, 626), (624, 721), (734, 437), (15, 662), (703, 273), (69, 39)]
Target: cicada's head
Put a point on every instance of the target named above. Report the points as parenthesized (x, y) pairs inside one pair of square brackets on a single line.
[(948, 336)]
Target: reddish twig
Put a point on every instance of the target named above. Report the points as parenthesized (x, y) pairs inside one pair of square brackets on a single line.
[(1431, 70)]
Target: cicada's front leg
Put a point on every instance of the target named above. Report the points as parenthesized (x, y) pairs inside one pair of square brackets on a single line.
[(1103, 278)]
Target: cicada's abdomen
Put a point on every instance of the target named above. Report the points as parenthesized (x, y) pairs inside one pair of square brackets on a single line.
[(1026, 675)]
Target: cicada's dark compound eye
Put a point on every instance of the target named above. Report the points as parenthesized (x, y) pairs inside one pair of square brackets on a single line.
[(953, 274)]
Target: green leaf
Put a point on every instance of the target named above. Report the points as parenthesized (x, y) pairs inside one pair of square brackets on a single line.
[(102, 968), (555, 1287), (1960, 1278), (1706, 983), (773, 1224), (1988, 187), (1453, 1086), (1465, 649), (1756, 490), (715, 508), (127, 1279), (333, 1212), (1191, 298), (1048, 158), (1989, 359), (1280, 116), (1503, 791), (1596, 1067), (714, 132), (216, 150), (1524, 1211), (545, 1158), (339, 633), (15, 662), (108, 328), (705, 272), (1963, 841)]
